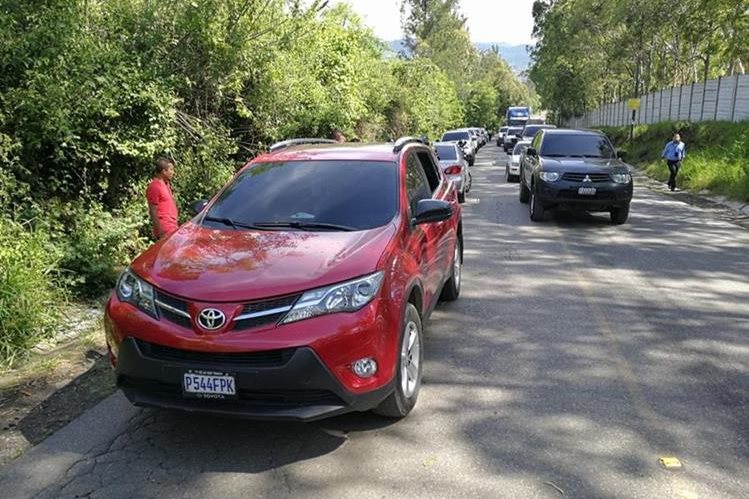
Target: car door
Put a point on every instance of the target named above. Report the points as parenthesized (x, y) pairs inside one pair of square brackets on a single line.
[(423, 239), (441, 233), (530, 162)]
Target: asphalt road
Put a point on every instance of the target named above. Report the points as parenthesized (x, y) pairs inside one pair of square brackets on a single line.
[(578, 354)]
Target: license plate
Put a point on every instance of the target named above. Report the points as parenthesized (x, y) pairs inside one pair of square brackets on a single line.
[(208, 384), (587, 191)]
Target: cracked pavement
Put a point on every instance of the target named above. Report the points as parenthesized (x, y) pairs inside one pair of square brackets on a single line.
[(578, 354)]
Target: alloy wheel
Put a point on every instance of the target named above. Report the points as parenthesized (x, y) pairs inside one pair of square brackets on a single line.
[(410, 354)]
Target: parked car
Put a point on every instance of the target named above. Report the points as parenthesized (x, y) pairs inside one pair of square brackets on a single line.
[(465, 140), (501, 136), (512, 167), (575, 169), (530, 130), (511, 138), (455, 167), (477, 136), (299, 292)]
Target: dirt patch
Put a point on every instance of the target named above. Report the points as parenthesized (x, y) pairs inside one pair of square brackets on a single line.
[(49, 390)]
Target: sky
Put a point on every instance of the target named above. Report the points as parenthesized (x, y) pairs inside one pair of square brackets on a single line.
[(508, 21)]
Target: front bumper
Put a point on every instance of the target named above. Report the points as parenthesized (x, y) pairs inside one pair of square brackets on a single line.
[(564, 194), (294, 386), (514, 169), (458, 181)]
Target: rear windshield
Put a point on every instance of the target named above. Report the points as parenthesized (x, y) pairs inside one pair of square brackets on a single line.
[(587, 146), (519, 148), (446, 152), (503, 129), (531, 130), (356, 194), (455, 136)]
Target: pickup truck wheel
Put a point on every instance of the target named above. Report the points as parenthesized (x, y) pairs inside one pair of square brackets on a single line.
[(619, 215), (537, 210), (408, 369), (525, 194)]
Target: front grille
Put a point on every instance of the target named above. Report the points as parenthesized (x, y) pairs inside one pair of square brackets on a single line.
[(175, 303), (246, 399), (594, 177), (262, 306), (269, 358)]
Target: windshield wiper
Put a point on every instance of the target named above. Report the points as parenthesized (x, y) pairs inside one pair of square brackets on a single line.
[(232, 223), (304, 225)]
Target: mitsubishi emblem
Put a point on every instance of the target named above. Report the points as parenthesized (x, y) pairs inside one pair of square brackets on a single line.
[(587, 179)]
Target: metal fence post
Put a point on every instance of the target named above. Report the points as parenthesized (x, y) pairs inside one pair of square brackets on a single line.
[(717, 99), (660, 105), (735, 94), (691, 98), (702, 107), (678, 112)]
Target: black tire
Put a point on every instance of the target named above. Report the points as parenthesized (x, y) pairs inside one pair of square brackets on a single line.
[(525, 194), (507, 174), (451, 289), (536, 209), (471, 160), (461, 197), (398, 404), (620, 215)]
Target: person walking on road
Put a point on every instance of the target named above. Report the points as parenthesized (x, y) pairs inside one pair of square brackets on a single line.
[(338, 136), (161, 205), (674, 154)]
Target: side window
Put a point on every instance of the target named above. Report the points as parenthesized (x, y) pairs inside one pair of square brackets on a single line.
[(536, 144), (433, 176), (416, 182)]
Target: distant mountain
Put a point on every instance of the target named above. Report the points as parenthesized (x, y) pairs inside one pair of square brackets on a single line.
[(516, 55)]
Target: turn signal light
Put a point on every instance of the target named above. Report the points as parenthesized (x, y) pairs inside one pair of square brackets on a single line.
[(453, 170)]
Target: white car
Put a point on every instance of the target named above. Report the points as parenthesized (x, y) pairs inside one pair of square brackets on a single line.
[(501, 136), (453, 163), (512, 169)]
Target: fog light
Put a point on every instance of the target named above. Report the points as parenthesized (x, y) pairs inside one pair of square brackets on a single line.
[(365, 368)]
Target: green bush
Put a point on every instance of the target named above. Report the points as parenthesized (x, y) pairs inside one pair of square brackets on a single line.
[(29, 301), (717, 154)]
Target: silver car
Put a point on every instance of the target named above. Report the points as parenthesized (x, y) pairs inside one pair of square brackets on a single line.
[(455, 167), (512, 169)]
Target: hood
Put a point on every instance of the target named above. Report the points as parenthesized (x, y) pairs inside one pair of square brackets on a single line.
[(584, 165), (221, 265)]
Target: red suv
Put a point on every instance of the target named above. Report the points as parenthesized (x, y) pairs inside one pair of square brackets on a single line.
[(298, 292)]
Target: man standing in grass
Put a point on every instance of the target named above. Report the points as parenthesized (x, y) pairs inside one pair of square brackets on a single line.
[(161, 205), (673, 154)]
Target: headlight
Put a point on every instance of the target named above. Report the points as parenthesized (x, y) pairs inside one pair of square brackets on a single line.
[(345, 297), (549, 176), (132, 289), (621, 178)]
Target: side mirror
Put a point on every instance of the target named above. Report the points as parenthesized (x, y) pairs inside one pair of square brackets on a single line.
[(621, 155), (531, 152), (199, 206), (432, 210)]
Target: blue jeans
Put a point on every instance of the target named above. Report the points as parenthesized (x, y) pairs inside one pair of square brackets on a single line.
[(673, 167)]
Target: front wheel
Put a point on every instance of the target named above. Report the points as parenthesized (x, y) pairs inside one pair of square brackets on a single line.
[(620, 215), (525, 194), (471, 161), (408, 371), (537, 210), (461, 197)]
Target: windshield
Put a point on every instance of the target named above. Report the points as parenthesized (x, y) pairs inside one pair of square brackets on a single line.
[(358, 195), (446, 152), (503, 129), (519, 148), (517, 113), (531, 130), (455, 136), (587, 146)]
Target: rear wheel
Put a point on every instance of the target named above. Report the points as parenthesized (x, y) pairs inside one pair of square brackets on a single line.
[(620, 215), (408, 371), (537, 209), (471, 160), (451, 290), (525, 194), (461, 197)]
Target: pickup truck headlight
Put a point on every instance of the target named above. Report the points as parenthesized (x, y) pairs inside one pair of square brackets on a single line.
[(348, 296), (134, 290), (549, 176), (621, 178)]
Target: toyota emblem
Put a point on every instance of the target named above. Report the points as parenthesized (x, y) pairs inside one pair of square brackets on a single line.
[(211, 319)]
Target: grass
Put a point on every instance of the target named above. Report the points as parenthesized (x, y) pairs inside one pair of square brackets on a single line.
[(717, 154)]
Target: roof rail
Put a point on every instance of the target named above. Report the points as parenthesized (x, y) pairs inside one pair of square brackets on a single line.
[(295, 142), (403, 141)]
